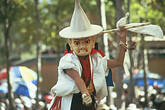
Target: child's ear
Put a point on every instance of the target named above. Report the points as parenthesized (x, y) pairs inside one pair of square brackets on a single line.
[(70, 43), (93, 41)]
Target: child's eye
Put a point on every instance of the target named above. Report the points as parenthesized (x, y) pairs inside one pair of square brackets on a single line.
[(87, 41), (76, 42)]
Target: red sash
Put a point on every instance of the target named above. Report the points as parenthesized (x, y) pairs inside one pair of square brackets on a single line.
[(57, 104)]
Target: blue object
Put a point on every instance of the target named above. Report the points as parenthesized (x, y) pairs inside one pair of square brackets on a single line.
[(153, 79), (109, 78), (3, 89), (22, 89), (23, 79)]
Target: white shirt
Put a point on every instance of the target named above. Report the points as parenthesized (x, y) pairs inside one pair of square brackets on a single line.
[(66, 86)]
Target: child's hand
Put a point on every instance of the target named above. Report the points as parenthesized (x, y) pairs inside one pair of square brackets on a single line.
[(122, 33), (87, 100)]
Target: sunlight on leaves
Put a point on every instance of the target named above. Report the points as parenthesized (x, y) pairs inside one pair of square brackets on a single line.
[(53, 34)]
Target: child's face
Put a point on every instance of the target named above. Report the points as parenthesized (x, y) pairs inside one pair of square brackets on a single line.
[(83, 46)]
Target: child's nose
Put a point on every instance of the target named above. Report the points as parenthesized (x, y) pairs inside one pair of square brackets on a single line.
[(82, 46)]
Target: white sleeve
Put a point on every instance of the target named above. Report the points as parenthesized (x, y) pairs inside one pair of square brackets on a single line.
[(68, 62), (65, 84), (104, 61)]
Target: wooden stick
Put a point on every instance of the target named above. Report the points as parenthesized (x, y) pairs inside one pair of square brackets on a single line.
[(113, 30)]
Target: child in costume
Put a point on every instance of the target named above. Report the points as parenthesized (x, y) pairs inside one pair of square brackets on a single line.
[(82, 70)]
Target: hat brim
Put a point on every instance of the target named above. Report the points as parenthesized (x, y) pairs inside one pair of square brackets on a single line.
[(67, 33)]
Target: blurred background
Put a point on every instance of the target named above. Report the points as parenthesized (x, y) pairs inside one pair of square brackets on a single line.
[(30, 49)]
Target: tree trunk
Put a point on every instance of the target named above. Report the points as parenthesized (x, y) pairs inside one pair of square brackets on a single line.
[(6, 35), (145, 68), (131, 91), (119, 70), (145, 59), (100, 39), (38, 61), (57, 12)]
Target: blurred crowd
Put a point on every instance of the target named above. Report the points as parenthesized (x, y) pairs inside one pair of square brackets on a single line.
[(156, 101), (25, 103)]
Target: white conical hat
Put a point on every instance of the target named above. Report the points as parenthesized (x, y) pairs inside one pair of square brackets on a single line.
[(80, 26)]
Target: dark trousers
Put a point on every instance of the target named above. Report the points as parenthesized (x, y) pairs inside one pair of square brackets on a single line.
[(77, 103)]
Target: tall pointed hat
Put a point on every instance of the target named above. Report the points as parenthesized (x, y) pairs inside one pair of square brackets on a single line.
[(80, 26)]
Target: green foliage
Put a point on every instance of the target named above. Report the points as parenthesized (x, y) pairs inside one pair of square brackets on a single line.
[(149, 11), (110, 14)]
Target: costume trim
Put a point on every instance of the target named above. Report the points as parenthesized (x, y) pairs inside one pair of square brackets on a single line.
[(57, 104)]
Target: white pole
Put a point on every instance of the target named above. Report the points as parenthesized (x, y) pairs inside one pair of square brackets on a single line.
[(106, 47)]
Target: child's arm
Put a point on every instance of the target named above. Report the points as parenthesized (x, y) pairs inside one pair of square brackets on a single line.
[(81, 85), (78, 80), (120, 58)]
